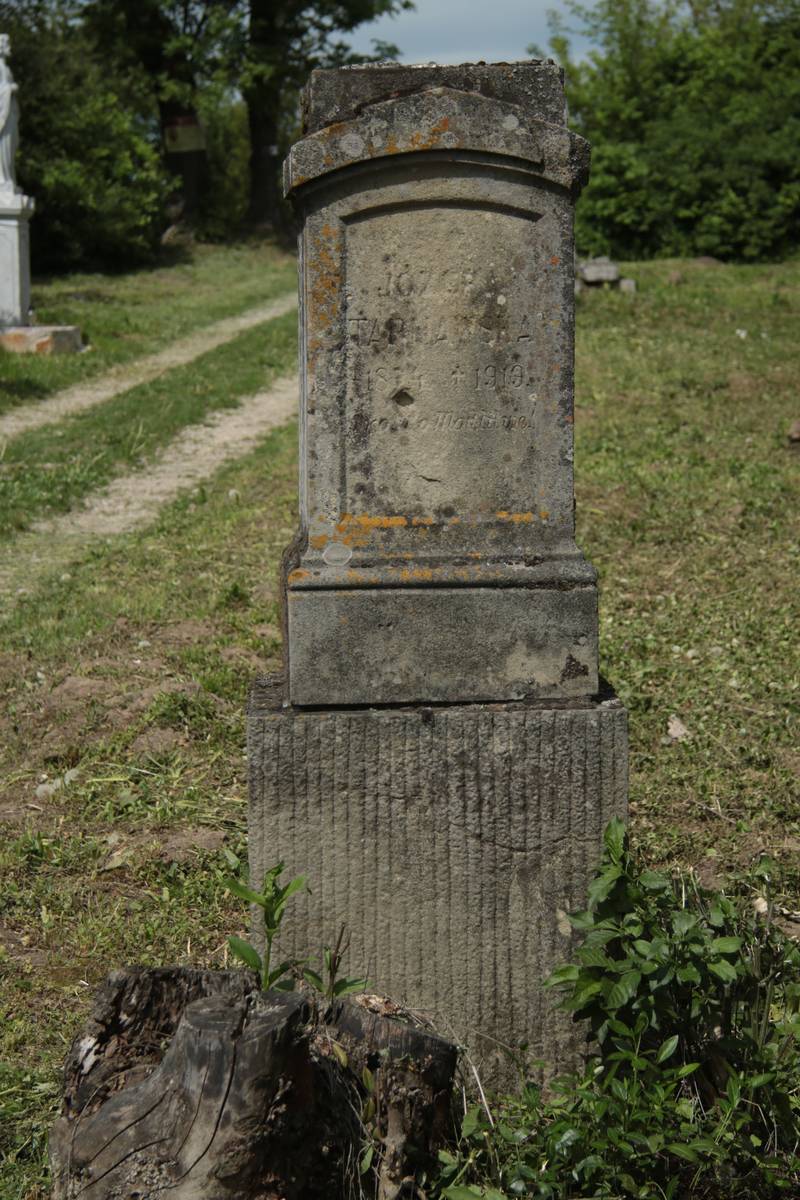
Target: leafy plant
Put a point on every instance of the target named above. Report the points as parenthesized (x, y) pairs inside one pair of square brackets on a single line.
[(691, 1000), (332, 986), (272, 900)]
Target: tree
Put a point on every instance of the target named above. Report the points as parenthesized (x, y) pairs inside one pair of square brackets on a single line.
[(173, 48), (86, 156), (693, 111), (286, 39), (261, 49)]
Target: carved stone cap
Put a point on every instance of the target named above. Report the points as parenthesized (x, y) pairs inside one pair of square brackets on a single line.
[(443, 119), (342, 93)]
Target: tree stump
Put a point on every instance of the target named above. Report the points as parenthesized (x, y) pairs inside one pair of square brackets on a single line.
[(197, 1086)]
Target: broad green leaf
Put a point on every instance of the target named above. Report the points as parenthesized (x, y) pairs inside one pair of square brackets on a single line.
[(687, 1069), (472, 1122), (756, 1081), (246, 953), (581, 920), (688, 974), (653, 881), (283, 985), (493, 1194), (723, 970), (726, 945), (296, 885), (584, 994), (366, 1159), (595, 956), (683, 921), (684, 1152), (624, 989), (346, 987), (314, 979), (602, 885), (567, 973), (368, 1080), (614, 838), (340, 1053), (667, 1048), (244, 893), (280, 970), (619, 1027), (458, 1191)]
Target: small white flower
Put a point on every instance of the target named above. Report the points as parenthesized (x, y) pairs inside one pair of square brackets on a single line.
[(741, 333)]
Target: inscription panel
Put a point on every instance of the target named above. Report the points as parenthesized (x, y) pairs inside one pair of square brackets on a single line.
[(449, 329)]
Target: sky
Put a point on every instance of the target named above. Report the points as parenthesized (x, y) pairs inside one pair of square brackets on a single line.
[(455, 31)]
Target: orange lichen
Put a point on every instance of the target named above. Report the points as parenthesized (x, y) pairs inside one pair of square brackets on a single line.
[(367, 522), (524, 518), (544, 514), (416, 574), (319, 541), (298, 575), (423, 521)]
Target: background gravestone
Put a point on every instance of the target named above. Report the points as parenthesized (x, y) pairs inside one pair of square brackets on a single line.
[(439, 760)]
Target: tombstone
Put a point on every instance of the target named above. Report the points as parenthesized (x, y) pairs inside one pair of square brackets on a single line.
[(603, 273), (16, 210), (441, 757)]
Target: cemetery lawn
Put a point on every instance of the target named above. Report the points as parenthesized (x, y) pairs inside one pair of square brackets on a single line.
[(124, 316), (124, 684)]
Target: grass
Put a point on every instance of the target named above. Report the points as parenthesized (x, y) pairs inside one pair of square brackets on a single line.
[(127, 315), (687, 504), (49, 470), (124, 686)]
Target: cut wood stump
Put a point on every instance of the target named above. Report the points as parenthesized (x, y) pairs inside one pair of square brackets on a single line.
[(198, 1086)]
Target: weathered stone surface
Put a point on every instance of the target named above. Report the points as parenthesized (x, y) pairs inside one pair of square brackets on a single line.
[(15, 272), (436, 411), (41, 339), (481, 642), (340, 95), (452, 840)]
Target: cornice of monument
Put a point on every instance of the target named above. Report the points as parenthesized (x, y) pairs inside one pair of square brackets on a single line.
[(446, 120)]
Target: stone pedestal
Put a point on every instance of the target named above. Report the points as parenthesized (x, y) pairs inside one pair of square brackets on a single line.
[(452, 841), (16, 211), (17, 335)]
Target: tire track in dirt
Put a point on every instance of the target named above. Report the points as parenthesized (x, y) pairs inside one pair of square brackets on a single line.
[(121, 379), (134, 500)]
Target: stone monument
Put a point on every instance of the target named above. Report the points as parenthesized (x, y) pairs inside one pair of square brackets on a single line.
[(441, 757), (16, 210)]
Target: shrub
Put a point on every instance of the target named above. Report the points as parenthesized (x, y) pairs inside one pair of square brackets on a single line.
[(691, 1001)]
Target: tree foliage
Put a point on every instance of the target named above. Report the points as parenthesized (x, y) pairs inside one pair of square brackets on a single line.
[(693, 112), (101, 83), (86, 154)]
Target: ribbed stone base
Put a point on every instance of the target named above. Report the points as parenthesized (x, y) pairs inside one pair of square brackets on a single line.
[(451, 840)]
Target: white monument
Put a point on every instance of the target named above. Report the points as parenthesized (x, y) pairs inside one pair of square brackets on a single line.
[(16, 210)]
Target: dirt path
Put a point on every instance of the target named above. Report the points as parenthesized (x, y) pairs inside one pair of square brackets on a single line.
[(132, 501), (121, 379)]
